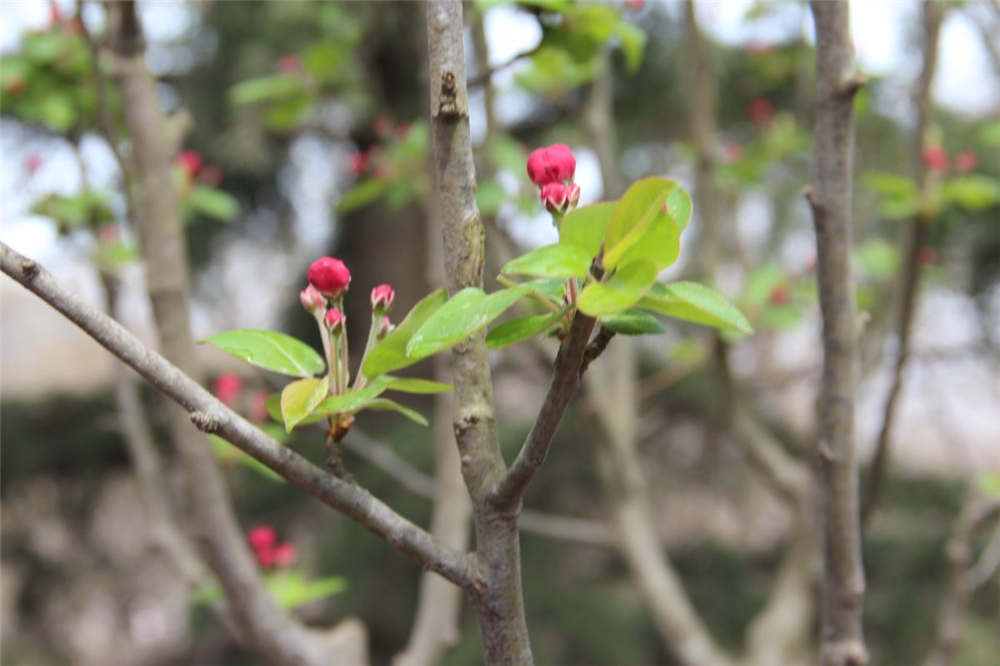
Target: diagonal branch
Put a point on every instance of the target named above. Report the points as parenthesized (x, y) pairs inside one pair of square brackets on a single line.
[(842, 642), (212, 416), (566, 376)]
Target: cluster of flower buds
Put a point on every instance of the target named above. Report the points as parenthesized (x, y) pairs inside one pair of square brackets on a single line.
[(192, 164), (551, 169), (270, 552)]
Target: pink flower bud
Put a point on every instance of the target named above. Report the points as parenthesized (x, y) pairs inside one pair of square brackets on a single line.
[(382, 297), (358, 162), (227, 388), (284, 554), (760, 110), (312, 300), (935, 158), (966, 160), (779, 295), (574, 195), (551, 164), (262, 536), (555, 196), (265, 556), (635, 5), (258, 408), (334, 319), (330, 276), (190, 161)]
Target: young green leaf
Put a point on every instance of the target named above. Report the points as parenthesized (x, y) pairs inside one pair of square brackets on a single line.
[(213, 203), (659, 244), (300, 397), (352, 401), (696, 303), (633, 322), (622, 291), (679, 207), (584, 227), (465, 313), (291, 590), (551, 261), (390, 354), (520, 329), (414, 385), (384, 404), (643, 204), (270, 350)]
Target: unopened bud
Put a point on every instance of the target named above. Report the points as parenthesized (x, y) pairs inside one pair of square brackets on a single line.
[(552, 164), (555, 196), (330, 276), (382, 297), (335, 320), (312, 300)]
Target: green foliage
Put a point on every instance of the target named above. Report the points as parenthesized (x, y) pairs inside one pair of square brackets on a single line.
[(213, 203), (270, 350), (585, 227), (696, 303), (85, 209), (645, 217), (551, 261), (390, 354), (465, 313), (384, 404), (522, 328), (633, 322), (973, 192), (289, 589), (300, 398)]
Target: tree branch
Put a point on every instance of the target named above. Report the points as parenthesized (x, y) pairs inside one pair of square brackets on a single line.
[(212, 416), (842, 641), (932, 15), (783, 473), (565, 379)]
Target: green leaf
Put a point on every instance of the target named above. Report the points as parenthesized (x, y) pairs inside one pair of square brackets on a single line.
[(633, 322), (265, 88), (291, 590), (361, 195), (465, 313), (622, 291), (352, 401), (300, 397), (645, 204), (522, 328), (551, 261), (660, 245), (697, 303), (585, 227), (390, 354), (879, 258), (384, 404), (633, 42), (989, 484), (414, 385), (213, 203), (270, 350), (974, 192)]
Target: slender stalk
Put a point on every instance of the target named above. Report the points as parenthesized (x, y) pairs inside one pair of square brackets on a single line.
[(842, 641)]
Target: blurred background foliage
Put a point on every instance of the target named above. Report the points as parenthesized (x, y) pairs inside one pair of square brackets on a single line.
[(278, 95)]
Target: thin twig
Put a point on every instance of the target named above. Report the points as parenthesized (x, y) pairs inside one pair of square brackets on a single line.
[(483, 77), (211, 416)]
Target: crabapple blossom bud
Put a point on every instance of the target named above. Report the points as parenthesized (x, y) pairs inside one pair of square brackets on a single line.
[(935, 158), (335, 320), (574, 195), (330, 276), (551, 164), (262, 536), (190, 161), (382, 297), (966, 160), (258, 408), (312, 300), (290, 64), (555, 196), (779, 295), (227, 387), (265, 556), (358, 162)]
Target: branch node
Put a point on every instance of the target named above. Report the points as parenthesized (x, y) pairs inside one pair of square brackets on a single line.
[(845, 653), (596, 347), (204, 421), (852, 82), (810, 194), (29, 269)]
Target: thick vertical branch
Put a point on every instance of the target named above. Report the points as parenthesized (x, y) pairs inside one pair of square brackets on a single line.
[(703, 131), (837, 81), (261, 625), (932, 15), (499, 602)]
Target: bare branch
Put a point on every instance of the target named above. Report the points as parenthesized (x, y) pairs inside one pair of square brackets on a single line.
[(565, 378), (782, 472), (932, 15), (842, 642), (212, 416)]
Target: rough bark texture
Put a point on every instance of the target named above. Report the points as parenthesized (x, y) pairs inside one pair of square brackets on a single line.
[(931, 18), (842, 642), (498, 600)]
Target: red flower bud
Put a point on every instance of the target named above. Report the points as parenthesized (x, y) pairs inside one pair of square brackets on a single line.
[(574, 195), (284, 554), (358, 162), (190, 161), (551, 164), (382, 297), (330, 276), (935, 158), (780, 295), (966, 160), (760, 111), (555, 196), (262, 536), (258, 408), (265, 556), (227, 388), (335, 319), (312, 300)]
